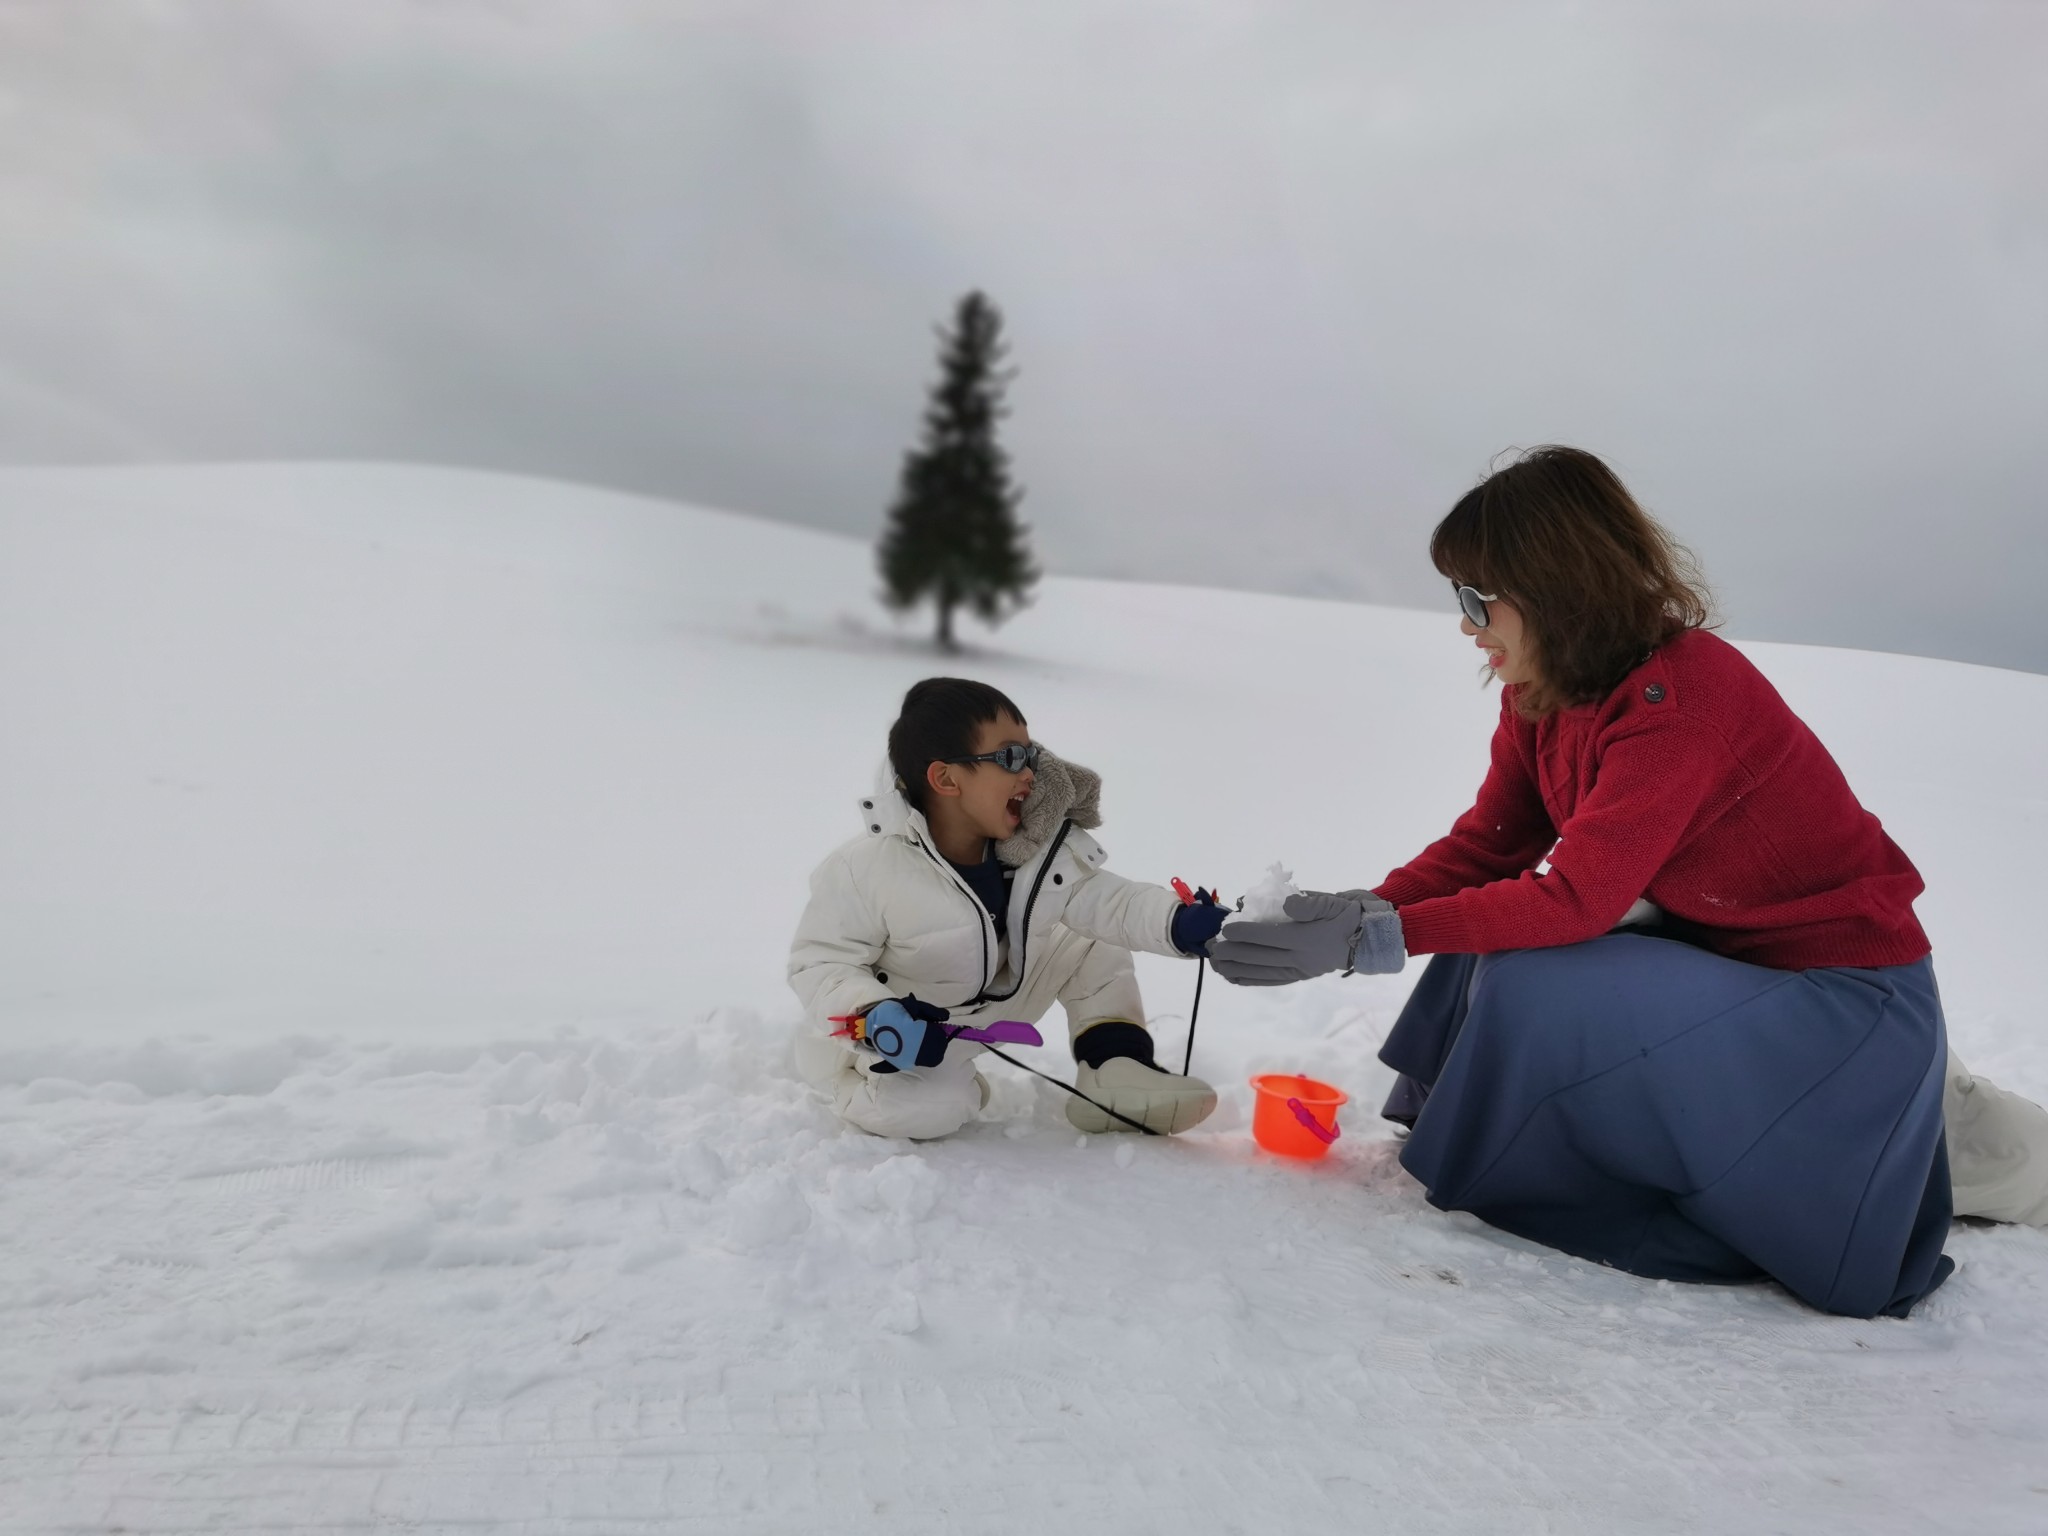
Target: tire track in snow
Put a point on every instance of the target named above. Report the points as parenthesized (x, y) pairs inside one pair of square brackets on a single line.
[(911, 1453), (769, 1465), (312, 1176)]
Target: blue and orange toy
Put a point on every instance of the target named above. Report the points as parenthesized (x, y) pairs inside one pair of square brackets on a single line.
[(897, 1034)]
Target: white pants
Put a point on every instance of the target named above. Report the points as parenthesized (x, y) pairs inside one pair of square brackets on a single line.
[(1997, 1149), (1092, 981), (922, 1104)]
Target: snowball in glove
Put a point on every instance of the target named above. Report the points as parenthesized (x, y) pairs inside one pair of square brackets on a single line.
[(1323, 931)]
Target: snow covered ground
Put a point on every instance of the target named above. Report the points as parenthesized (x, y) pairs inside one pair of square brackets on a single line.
[(396, 1129)]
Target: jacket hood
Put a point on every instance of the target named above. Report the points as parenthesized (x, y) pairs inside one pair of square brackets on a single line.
[(884, 812), (1060, 791)]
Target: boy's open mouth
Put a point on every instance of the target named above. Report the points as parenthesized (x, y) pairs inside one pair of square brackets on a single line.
[(1015, 805)]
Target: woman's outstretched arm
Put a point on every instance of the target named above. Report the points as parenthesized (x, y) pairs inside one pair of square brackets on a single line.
[(1658, 779)]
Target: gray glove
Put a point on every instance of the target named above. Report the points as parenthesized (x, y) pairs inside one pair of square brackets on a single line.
[(1346, 931)]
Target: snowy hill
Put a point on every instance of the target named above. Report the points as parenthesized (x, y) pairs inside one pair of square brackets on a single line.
[(395, 1125)]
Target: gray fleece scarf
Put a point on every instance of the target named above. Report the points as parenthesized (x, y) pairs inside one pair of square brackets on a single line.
[(1060, 791)]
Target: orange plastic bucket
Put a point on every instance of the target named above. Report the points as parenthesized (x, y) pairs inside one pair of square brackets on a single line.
[(1295, 1116)]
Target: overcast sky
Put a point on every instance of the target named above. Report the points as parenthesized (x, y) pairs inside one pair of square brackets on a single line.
[(1281, 276)]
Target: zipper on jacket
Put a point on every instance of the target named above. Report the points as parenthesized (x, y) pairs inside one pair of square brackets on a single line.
[(1024, 928), (982, 994), (985, 920)]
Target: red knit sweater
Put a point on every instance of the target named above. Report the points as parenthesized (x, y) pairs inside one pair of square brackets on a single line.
[(1692, 784)]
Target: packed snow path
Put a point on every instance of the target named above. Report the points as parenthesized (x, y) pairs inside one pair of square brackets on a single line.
[(396, 1129)]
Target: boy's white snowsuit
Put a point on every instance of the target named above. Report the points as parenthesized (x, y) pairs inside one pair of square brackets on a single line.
[(889, 917)]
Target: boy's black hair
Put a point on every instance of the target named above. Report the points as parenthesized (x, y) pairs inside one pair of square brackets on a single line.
[(936, 723)]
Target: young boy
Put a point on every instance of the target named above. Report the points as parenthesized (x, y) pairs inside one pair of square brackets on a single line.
[(974, 893)]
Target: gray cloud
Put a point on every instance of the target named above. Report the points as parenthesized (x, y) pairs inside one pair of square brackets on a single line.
[(1281, 278)]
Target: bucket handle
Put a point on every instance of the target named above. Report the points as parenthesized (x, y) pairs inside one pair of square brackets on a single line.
[(1315, 1126)]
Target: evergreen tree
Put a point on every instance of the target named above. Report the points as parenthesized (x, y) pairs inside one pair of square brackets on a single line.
[(953, 534)]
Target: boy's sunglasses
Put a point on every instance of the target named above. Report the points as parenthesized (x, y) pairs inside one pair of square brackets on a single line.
[(1011, 759), (1474, 602)]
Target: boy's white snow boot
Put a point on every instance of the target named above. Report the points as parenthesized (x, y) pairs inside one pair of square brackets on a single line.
[(1160, 1101)]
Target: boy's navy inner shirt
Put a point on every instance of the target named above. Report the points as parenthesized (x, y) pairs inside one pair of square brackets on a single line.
[(990, 880)]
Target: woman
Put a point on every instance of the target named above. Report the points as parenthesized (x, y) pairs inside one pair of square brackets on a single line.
[(1679, 1016)]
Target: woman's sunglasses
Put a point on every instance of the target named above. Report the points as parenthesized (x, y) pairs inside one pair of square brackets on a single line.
[(1011, 759), (1474, 602)]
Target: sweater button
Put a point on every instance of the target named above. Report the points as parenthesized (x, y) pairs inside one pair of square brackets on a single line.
[(1654, 693), (1059, 879), (882, 977)]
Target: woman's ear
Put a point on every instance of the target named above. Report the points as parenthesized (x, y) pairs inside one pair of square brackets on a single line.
[(938, 777)]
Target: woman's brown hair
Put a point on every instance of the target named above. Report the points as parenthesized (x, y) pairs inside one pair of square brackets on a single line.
[(1598, 581)]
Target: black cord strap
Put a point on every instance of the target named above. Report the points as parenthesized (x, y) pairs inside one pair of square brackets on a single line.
[(1195, 1012), (1136, 1125)]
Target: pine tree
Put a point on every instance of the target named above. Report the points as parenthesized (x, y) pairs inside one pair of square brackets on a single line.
[(953, 534)]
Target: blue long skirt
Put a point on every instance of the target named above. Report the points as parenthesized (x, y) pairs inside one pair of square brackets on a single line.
[(1655, 1106)]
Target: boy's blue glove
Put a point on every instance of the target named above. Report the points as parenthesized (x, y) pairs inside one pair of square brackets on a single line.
[(1195, 924), (906, 1033)]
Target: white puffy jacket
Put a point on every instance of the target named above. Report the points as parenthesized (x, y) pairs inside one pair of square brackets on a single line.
[(888, 916)]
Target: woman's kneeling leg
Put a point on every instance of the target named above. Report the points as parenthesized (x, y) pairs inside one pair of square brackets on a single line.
[(1670, 1111)]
